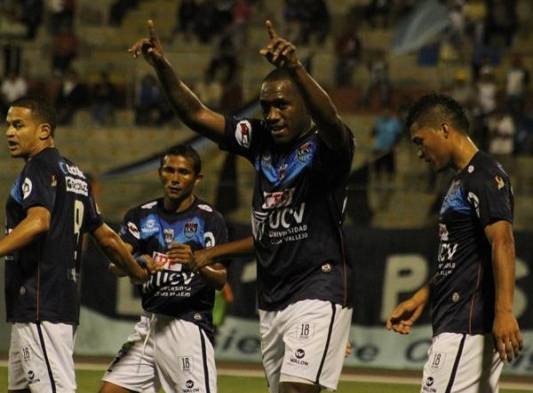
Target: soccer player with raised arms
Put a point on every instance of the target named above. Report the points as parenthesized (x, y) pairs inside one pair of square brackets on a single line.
[(302, 152)]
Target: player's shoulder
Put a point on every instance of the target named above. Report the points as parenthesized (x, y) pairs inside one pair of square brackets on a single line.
[(146, 207), (483, 168), (247, 130), (47, 159), (206, 209)]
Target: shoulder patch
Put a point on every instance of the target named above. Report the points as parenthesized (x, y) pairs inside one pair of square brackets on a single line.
[(243, 133), (149, 205), (26, 188), (205, 207)]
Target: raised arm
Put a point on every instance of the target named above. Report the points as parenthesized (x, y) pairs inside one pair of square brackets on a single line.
[(282, 54), (184, 102), (37, 221), (505, 330), (116, 250)]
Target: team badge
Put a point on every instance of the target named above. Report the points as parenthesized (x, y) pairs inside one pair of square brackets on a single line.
[(190, 229), (132, 228), (169, 235), (303, 152), (26, 188), (500, 183), (243, 133)]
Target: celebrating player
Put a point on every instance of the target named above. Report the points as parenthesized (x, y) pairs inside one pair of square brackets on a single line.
[(302, 152), (471, 294), (172, 345), (49, 209)]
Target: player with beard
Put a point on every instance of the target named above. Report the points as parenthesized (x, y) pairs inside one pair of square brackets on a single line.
[(172, 346), (302, 153)]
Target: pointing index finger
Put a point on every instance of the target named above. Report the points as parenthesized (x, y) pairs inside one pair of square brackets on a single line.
[(151, 29), (270, 28)]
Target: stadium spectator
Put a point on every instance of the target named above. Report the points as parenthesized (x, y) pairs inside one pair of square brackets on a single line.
[(64, 49), (316, 21), (301, 170), (148, 101), (13, 87), (379, 80), (103, 97), (516, 87), (61, 15), (386, 133), (502, 131), (377, 13), (501, 21), (348, 51), (186, 14), (461, 89), (224, 64), (32, 16), (471, 293), (49, 209), (177, 319), (487, 91), (72, 96), (119, 9)]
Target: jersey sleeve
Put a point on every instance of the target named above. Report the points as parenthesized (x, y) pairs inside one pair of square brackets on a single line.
[(242, 136), (216, 231), (129, 230), (38, 185), (93, 218), (337, 163), (491, 196)]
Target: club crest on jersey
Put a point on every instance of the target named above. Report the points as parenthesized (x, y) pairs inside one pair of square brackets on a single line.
[(304, 152), (190, 229), (243, 133), (168, 235), (500, 183), (26, 188)]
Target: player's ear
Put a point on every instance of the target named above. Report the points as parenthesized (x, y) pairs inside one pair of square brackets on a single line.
[(198, 179), (45, 131), (445, 130)]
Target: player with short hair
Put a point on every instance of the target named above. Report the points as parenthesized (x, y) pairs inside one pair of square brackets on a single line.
[(302, 152), (471, 294), (172, 345), (49, 208)]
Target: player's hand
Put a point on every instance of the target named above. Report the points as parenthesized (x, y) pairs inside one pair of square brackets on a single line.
[(348, 350), (201, 259), (279, 51), (404, 316), (182, 254), (507, 336), (149, 47)]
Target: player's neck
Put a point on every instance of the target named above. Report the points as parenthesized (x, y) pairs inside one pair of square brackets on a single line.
[(178, 205), (464, 151), (39, 148)]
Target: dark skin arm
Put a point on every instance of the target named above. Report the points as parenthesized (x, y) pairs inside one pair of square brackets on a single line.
[(506, 331), (208, 256), (215, 274), (117, 251), (187, 106), (36, 222), (282, 54)]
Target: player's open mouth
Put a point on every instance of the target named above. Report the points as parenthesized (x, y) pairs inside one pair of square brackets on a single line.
[(174, 190), (278, 130), (12, 145)]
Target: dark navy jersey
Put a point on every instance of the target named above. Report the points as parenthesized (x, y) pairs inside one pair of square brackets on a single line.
[(42, 277), (297, 214), (462, 291), (174, 291)]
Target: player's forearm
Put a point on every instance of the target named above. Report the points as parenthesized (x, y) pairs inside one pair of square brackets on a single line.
[(232, 249), (421, 297), (23, 234), (117, 271), (116, 251), (214, 277), (185, 103), (503, 265), (321, 108)]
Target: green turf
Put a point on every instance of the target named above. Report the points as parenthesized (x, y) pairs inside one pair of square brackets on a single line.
[(89, 382)]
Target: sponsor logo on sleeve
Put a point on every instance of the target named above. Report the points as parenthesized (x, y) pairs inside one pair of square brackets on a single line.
[(209, 239), (243, 133), (27, 186)]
